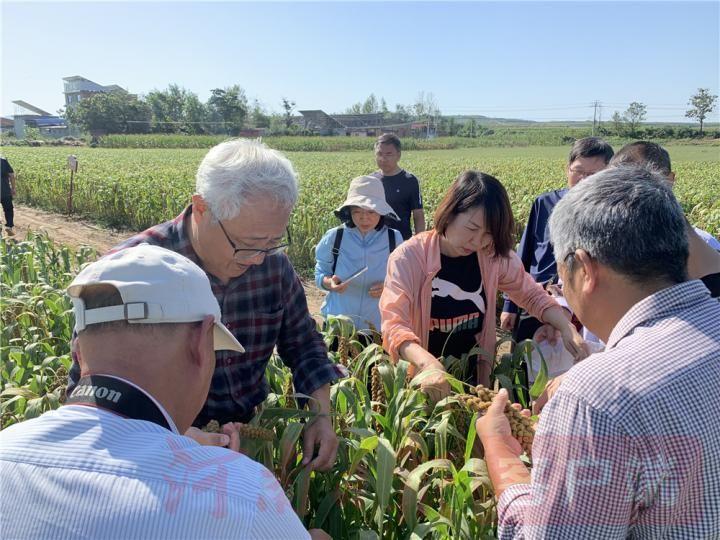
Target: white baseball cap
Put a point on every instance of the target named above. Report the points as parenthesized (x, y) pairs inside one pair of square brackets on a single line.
[(157, 286)]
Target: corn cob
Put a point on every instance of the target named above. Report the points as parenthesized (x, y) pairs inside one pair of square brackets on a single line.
[(522, 428), (343, 351), (59, 381), (255, 432), (377, 389), (287, 392), (245, 431), (213, 426)]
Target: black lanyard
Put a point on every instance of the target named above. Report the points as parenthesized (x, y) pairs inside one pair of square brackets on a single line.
[(117, 396)]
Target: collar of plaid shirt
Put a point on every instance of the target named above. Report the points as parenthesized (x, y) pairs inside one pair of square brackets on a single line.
[(266, 309), (664, 303)]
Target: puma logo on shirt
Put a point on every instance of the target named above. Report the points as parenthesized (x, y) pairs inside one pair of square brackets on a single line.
[(443, 288)]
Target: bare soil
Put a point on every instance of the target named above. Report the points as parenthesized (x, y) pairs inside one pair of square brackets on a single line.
[(75, 232)]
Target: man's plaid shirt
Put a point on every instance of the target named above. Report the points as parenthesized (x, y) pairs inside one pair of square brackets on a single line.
[(629, 446), (265, 307)]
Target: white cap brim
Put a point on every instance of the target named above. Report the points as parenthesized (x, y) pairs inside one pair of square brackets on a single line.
[(224, 340)]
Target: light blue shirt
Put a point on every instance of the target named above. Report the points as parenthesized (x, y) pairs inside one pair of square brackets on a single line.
[(709, 239), (82, 472), (356, 252)]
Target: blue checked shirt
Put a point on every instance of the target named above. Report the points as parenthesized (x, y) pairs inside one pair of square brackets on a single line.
[(265, 307), (82, 472), (629, 446)]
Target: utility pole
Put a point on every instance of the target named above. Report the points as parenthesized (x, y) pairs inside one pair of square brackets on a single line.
[(595, 110)]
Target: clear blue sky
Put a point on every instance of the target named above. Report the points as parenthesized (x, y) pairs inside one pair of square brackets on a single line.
[(534, 60)]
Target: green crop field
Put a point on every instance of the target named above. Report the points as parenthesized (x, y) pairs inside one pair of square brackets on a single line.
[(405, 468), (132, 189)]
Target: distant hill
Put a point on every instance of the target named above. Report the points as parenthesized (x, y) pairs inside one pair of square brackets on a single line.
[(519, 122), (488, 120)]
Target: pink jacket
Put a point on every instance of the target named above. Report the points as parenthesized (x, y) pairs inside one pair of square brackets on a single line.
[(406, 297)]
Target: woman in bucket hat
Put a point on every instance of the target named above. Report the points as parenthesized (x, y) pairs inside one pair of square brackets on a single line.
[(364, 240)]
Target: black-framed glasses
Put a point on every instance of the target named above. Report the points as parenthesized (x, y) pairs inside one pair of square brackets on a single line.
[(250, 253)]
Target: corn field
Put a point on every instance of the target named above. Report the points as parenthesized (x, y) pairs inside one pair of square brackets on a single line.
[(405, 469), (134, 189)]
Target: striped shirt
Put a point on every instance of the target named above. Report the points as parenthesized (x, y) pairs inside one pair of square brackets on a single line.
[(265, 307), (82, 472), (629, 446)]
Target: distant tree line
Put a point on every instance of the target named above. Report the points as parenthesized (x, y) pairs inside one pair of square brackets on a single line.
[(175, 110), (629, 123), (228, 111)]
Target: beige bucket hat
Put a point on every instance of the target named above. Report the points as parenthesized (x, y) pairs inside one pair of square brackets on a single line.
[(366, 192)]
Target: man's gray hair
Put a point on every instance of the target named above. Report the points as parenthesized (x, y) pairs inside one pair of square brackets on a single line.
[(629, 220), (240, 169)]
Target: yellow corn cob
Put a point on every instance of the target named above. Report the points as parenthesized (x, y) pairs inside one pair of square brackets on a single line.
[(343, 351), (288, 391), (255, 432), (245, 431), (522, 428), (213, 426), (377, 389)]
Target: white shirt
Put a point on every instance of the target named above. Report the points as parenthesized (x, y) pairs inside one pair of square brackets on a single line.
[(82, 472)]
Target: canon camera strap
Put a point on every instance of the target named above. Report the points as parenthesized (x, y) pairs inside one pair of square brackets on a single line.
[(116, 396)]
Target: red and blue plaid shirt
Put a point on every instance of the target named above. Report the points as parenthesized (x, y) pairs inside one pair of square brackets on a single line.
[(265, 307)]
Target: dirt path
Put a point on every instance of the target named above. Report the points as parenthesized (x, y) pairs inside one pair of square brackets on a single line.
[(76, 232)]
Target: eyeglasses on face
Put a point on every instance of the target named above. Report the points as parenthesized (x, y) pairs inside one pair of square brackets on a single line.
[(251, 253), (582, 173)]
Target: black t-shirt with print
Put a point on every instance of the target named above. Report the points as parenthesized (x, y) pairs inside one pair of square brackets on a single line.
[(457, 310), (402, 193)]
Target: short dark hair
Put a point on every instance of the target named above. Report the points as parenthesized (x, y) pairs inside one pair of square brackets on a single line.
[(345, 215), (628, 219), (645, 154), (588, 147), (470, 190), (389, 138)]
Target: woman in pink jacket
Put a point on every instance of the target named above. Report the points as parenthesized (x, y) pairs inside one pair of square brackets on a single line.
[(440, 291)]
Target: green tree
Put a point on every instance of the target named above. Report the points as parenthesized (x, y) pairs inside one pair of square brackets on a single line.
[(277, 125), (196, 115), (355, 108), (702, 104), (288, 106), (618, 123), (402, 113), (228, 108), (370, 106), (259, 116), (634, 115), (115, 112), (177, 110)]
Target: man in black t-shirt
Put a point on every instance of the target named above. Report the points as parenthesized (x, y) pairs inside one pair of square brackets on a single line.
[(402, 190), (7, 192)]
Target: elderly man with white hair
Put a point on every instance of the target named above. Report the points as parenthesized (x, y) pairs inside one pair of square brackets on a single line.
[(235, 230), (628, 447)]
